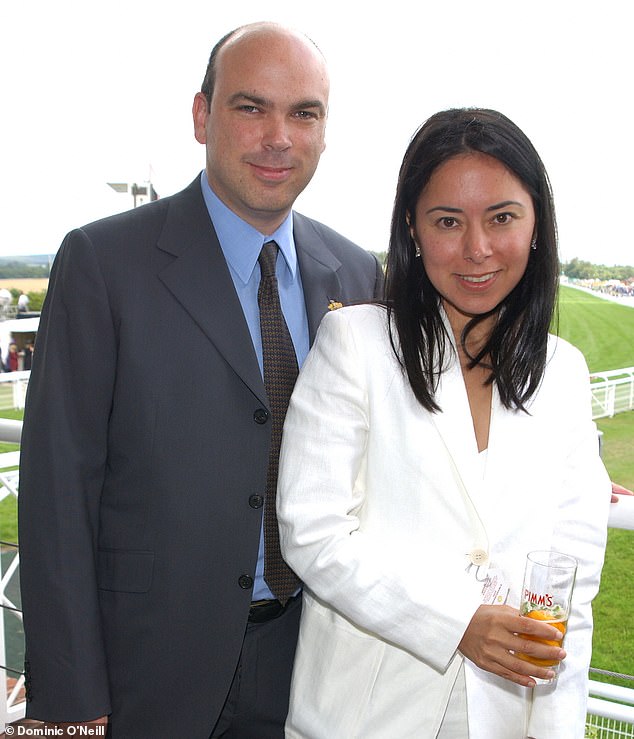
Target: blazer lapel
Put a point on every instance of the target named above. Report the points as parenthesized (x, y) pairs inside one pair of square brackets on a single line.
[(318, 268), (200, 280), (454, 422)]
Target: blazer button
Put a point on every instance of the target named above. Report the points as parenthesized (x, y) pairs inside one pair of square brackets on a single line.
[(256, 501), (245, 582), (478, 556), (261, 416)]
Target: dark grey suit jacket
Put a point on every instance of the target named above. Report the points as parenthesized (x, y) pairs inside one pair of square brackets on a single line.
[(143, 456)]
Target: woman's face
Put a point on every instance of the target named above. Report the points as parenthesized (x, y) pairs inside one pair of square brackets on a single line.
[(473, 224)]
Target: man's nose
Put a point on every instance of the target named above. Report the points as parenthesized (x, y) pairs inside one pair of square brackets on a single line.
[(276, 134)]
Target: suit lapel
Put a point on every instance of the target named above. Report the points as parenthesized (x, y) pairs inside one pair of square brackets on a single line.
[(455, 426), (454, 420), (318, 268), (200, 280)]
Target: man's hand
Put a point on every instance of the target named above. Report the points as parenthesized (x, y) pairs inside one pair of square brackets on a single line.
[(495, 633), (619, 490)]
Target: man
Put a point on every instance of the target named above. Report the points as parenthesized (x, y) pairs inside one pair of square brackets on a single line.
[(143, 477)]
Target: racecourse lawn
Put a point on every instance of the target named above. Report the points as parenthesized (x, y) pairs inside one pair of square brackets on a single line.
[(604, 331)]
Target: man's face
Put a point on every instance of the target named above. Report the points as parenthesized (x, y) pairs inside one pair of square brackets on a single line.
[(265, 130)]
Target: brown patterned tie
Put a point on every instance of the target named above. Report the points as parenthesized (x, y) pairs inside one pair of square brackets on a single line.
[(280, 373)]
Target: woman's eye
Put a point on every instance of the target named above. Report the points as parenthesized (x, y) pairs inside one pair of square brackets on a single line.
[(502, 217), (448, 222)]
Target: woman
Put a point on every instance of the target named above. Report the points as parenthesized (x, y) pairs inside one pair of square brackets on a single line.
[(429, 446)]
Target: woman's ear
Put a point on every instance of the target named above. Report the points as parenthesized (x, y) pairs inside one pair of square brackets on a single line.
[(408, 220), (412, 233)]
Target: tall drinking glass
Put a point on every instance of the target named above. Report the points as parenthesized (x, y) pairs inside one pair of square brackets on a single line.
[(549, 580)]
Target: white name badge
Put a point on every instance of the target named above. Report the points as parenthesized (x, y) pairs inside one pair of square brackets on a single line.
[(495, 591)]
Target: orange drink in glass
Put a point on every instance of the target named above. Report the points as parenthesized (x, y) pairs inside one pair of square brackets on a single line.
[(549, 580)]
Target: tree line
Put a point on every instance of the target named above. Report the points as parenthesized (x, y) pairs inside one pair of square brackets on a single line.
[(580, 270), (15, 270)]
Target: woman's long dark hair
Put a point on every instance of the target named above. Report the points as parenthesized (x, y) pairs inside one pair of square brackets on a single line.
[(516, 347)]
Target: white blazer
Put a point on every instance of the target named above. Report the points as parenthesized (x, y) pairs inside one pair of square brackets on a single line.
[(381, 507)]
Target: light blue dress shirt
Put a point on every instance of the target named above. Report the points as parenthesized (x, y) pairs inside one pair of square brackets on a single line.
[(241, 245)]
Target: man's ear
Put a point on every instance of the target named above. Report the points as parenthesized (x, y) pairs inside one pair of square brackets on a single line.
[(200, 113)]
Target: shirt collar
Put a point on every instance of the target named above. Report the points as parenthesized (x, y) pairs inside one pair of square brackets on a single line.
[(241, 244)]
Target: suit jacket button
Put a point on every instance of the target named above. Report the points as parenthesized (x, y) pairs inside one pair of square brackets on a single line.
[(245, 582), (256, 501), (261, 416), (478, 556)]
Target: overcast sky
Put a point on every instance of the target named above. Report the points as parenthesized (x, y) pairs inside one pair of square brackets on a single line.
[(97, 92)]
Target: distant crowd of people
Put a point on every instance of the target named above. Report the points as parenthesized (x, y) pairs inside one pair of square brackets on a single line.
[(612, 288), (17, 359)]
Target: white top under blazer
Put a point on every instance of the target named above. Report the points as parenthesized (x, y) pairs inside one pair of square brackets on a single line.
[(384, 507)]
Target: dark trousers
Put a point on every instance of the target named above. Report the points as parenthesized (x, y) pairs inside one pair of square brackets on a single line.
[(257, 702)]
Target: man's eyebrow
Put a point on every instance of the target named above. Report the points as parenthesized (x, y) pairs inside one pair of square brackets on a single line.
[(246, 97), (304, 104), (261, 102)]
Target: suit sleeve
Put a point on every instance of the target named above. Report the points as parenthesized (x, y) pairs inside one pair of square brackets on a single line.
[(64, 451), (379, 284), (581, 529)]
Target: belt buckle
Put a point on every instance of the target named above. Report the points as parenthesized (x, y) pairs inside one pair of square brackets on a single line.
[(265, 610)]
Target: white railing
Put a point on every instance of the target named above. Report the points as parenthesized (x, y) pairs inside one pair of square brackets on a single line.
[(10, 430), (622, 513), (12, 704), (610, 711), (612, 392), (13, 387)]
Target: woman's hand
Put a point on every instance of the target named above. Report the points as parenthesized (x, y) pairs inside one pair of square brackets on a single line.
[(495, 632)]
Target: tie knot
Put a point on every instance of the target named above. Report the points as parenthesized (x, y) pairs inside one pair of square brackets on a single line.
[(268, 258)]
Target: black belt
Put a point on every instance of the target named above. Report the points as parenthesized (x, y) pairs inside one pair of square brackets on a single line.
[(266, 610)]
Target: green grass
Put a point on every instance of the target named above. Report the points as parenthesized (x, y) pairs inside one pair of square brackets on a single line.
[(9, 520), (9, 506), (15, 414), (613, 645), (604, 331)]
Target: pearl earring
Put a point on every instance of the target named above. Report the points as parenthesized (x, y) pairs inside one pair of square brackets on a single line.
[(534, 243)]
